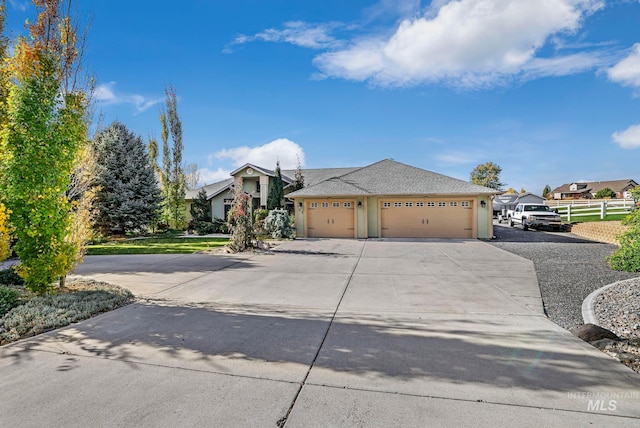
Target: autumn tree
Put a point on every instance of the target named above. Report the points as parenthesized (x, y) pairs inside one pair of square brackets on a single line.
[(488, 175), (276, 193), (128, 198), (172, 178), (5, 233), (240, 221), (546, 191), (44, 130)]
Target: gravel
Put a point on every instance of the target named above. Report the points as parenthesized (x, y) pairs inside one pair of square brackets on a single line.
[(568, 267)]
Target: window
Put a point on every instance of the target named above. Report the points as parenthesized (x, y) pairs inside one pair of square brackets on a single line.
[(397, 204), (453, 204), (408, 204), (386, 205), (347, 204), (314, 205), (257, 187), (442, 204), (336, 205), (431, 204), (325, 205), (465, 204), (419, 204)]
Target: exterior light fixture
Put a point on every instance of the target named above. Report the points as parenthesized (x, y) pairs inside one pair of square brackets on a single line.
[(359, 204), (483, 204)]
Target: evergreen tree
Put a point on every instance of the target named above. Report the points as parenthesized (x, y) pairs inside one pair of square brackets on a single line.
[(276, 193), (200, 207), (129, 197), (298, 180)]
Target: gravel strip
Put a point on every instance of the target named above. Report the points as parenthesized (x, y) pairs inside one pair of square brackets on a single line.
[(618, 309), (568, 267)]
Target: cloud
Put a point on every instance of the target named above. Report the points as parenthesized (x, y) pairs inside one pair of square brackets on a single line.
[(209, 176), (627, 71), (106, 94), (465, 43), (283, 150), (298, 33), (20, 5), (629, 138)]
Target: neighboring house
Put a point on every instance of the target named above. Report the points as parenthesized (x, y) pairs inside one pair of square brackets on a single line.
[(588, 189), (384, 199), (508, 201), (389, 199)]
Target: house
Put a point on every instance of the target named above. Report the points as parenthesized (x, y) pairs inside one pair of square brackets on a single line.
[(386, 199), (588, 189), (508, 201)]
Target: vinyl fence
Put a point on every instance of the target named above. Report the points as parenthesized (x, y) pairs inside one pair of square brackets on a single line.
[(572, 210)]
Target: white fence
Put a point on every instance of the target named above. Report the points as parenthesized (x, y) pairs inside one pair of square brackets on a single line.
[(570, 209)]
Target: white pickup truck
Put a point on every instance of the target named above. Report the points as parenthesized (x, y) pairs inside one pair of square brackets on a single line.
[(534, 216)]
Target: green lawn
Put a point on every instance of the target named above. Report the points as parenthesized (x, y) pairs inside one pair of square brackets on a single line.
[(595, 217), (156, 246)]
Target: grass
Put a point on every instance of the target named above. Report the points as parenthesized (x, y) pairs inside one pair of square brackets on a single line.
[(156, 246), (595, 217)]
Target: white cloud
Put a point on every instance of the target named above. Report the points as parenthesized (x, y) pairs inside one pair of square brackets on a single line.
[(627, 71), (466, 43), (629, 138), (266, 156), (20, 5), (209, 176), (105, 93), (307, 35)]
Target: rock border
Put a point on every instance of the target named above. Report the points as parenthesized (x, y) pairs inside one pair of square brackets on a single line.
[(588, 311)]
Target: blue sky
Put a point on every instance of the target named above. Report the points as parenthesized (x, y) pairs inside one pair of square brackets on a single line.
[(547, 89)]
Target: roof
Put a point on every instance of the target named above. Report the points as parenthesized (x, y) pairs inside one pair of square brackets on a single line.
[(211, 189), (315, 176), (596, 186), (389, 177)]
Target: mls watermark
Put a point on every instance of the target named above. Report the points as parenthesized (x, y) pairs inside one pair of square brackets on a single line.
[(604, 401)]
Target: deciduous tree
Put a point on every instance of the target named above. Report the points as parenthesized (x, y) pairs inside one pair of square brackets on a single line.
[(546, 191), (488, 175)]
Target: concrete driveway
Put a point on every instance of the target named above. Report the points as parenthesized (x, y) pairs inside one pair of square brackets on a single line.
[(319, 333)]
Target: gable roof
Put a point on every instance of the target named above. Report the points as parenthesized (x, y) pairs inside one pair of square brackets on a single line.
[(389, 177), (212, 190), (596, 186), (315, 176)]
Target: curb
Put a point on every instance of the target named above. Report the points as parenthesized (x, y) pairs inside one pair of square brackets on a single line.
[(588, 314)]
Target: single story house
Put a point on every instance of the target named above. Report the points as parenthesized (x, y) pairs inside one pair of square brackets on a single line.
[(387, 199), (588, 189)]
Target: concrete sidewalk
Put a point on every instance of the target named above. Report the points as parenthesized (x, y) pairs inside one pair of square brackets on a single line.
[(319, 333)]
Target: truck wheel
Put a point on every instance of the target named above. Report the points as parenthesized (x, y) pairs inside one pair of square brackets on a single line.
[(510, 222), (524, 226)]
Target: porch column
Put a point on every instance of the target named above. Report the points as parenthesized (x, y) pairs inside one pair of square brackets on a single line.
[(264, 189)]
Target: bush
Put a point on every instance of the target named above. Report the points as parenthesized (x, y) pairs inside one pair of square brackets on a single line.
[(258, 221), (207, 227), (45, 313), (627, 256), (10, 277), (9, 299), (278, 224)]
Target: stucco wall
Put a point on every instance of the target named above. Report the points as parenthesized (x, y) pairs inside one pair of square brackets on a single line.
[(601, 231)]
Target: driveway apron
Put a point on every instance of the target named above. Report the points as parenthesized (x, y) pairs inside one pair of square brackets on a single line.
[(318, 333)]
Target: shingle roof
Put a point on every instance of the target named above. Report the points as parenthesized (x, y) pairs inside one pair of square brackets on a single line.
[(211, 189), (596, 186), (389, 177), (315, 176)]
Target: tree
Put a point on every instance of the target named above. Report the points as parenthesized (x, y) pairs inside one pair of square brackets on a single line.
[(200, 207), (546, 191), (510, 191), (240, 221), (44, 128), (5, 233), (298, 181), (129, 197), (605, 193), (488, 175), (172, 176), (522, 191), (276, 193), (191, 176)]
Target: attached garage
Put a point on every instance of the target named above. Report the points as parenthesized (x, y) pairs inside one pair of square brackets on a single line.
[(389, 199), (426, 218), (330, 218)]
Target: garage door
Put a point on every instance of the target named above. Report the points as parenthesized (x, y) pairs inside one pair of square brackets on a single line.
[(420, 218), (330, 218)]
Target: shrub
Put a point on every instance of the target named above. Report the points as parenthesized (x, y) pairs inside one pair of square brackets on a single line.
[(258, 221), (221, 225), (10, 277), (206, 227), (278, 224), (627, 256), (45, 313), (9, 299)]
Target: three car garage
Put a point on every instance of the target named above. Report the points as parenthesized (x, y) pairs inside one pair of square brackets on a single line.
[(393, 200)]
